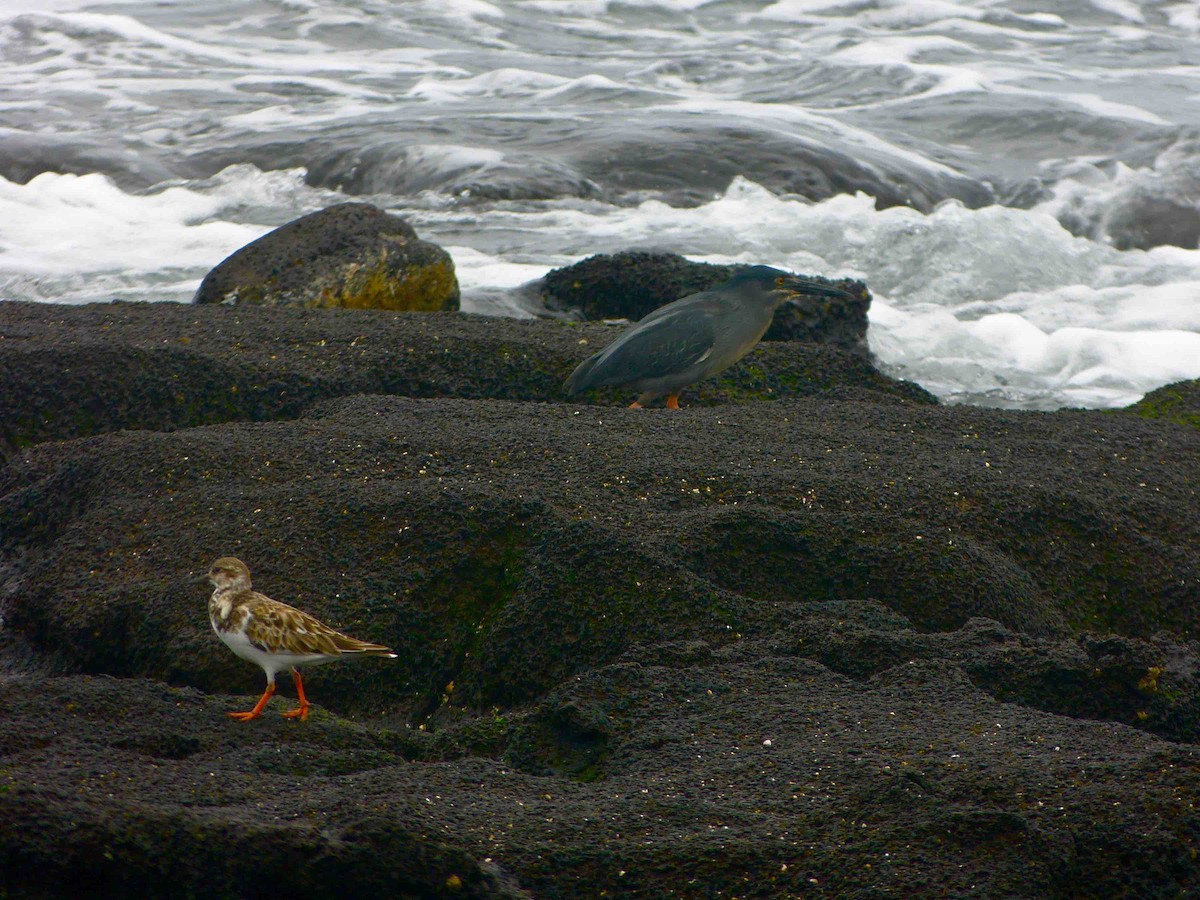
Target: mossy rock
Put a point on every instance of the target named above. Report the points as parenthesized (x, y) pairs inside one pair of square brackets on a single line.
[(1177, 402), (352, 255)]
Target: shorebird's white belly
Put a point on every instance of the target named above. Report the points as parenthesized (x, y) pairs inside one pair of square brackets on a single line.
[(239, 643)]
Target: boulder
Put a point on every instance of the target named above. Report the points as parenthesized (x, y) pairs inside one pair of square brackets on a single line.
[(630, 284), (351, 255)]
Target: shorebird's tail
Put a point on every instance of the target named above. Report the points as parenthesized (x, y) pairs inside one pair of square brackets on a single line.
[(348, 644), (385, 652)]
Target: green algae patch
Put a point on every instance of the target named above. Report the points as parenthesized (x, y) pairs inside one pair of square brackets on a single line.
[(1178, 402)]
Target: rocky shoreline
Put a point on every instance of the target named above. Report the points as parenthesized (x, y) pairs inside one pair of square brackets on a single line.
[(812, 635)]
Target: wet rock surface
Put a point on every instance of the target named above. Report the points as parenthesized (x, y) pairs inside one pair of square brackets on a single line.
[(845, 642), (351, 255)]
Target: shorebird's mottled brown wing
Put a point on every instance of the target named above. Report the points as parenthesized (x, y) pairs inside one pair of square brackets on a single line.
[(279, 628)]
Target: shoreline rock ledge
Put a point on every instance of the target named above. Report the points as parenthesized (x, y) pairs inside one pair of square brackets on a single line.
[(848, 643), (352, 255)]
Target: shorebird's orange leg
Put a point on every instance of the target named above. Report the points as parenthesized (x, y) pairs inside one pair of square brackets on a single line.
[(672, 401), (258, 707), (302, 711), (635, 405)]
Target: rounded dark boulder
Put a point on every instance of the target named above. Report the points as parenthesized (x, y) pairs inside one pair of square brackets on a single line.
[(351, 255), (630, 284)]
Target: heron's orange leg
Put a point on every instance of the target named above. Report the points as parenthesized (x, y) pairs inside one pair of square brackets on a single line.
[(258, 707), (302, 710), (672, 401)]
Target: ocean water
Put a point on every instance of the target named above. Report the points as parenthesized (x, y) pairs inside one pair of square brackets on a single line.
[(1017, 182)]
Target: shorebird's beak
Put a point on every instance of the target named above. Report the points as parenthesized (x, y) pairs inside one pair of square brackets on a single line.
[(202, 578), (807, 287)]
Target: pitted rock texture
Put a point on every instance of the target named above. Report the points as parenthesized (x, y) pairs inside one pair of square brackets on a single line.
[(845, 643)]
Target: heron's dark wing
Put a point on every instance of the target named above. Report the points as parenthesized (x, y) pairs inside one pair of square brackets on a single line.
[(662, 344)]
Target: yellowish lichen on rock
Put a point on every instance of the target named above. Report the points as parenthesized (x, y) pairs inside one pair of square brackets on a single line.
[(425, 288), (1149, 682)]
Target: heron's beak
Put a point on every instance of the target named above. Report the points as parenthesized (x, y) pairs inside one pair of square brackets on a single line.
[(807, 287)]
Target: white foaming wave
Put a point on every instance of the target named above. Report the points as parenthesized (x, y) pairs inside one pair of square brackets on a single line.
[(901, 51), (897, 49), (1185, 16), (444, 158), (276, 117), (10, 8), (784, 115), (434, 163), (466, 9), (301, 58), (889, 13), (324, 85), (488, 281), (504, 82), (600, 7), (1039, 56), (1109, 109), (534, 88), (904, 51), (918, 13), (58, 224), (478, 270), (1006, 360), (1123, 9), (80, 238), (572, 8), (1171, 306), (788, 10), (589, 85)]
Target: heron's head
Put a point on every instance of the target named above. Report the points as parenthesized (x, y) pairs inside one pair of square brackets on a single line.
[(229, 573), (775, 284)]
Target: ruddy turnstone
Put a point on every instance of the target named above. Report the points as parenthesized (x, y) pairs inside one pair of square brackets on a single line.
[(273, 635)]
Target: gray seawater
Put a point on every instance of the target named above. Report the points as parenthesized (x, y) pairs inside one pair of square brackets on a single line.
[(1019, 183)]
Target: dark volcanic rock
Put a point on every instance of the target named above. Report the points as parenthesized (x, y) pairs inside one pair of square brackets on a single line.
[(351, 255), (631, 284), (628, 285), (1150, 219), (1152, 205), (1159, 206), (840, 644), (181, 831), (66, 372), (735, 771)]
